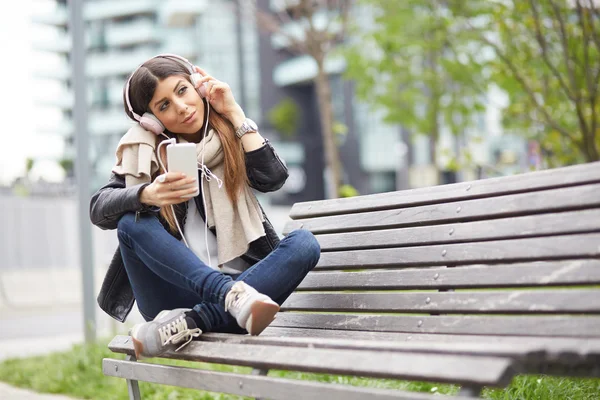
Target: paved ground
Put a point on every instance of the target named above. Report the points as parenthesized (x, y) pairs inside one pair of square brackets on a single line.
[(11, 393)]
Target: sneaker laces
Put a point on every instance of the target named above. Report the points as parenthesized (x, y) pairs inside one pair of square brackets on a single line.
[(236, 297), (176, 331)]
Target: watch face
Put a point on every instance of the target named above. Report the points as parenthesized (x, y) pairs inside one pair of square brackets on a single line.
[(252, 124)]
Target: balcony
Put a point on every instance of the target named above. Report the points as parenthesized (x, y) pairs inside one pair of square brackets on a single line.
[(109, 122), (58, 15), (109, 9), (303, 69), (181, 42), (60, 71), (55, 16), (178, 13), (116, 63), (59, 43), (62, 128), (131, 33)]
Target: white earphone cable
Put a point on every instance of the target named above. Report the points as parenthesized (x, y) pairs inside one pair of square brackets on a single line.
[(206, 173)]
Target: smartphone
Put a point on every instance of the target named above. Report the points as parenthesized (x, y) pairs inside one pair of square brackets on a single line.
[(181, 157)]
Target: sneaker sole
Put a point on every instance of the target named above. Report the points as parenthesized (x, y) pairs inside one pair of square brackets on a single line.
[(261, 315), (138, 347)]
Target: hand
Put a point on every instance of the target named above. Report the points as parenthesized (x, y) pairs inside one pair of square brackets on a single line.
[(167, 190), (220, 97)]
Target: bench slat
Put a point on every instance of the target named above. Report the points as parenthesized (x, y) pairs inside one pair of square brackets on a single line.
[(487, 302), (548, 326), (550, 342), (563, 199), (505, 228), (554, 178), (493, 371), (568, 272), (528, 249), (528, 352), (248, 385)]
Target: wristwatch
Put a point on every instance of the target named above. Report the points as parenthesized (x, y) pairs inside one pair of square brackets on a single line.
[(247, 126)]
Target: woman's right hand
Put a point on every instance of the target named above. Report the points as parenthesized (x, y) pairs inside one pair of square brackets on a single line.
[(167, 190)]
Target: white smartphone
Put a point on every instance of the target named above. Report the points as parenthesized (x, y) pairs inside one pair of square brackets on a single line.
[(181, 157)]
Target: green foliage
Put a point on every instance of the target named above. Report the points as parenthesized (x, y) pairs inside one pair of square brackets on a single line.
[(66, 164), (340, 132), (78, 373), (547, 61), (429, 65), (284, 117), (419, 65), (348, 191), (29, 164)]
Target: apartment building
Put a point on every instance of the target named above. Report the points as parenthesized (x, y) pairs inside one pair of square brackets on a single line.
[(122, 34)]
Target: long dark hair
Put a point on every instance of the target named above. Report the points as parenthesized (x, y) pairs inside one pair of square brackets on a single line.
[(141, 90)]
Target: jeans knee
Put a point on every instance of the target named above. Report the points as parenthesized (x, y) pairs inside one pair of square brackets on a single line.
[(126, 224), (309, 244)]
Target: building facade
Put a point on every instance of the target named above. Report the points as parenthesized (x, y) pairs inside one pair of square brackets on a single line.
[(120, 35)]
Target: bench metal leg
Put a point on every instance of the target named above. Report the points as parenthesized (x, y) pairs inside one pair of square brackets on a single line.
[(132, 385), (470, 391), (261, 372)]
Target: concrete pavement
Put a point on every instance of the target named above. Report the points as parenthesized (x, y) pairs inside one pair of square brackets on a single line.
[(8, 392)]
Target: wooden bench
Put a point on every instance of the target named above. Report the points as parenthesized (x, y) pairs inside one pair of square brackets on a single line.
[(469, 283)]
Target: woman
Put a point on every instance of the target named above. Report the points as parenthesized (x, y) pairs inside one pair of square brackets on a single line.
[(233, 276)]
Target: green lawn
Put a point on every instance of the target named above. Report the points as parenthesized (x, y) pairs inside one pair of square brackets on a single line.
[(78, 373)]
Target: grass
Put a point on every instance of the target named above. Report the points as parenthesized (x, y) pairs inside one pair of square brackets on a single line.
[(78, 373)]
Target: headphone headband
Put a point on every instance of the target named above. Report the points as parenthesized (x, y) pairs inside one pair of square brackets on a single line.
[(182, 60)]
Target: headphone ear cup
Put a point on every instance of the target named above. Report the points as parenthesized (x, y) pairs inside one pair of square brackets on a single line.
[(151, 123), (196, 77)]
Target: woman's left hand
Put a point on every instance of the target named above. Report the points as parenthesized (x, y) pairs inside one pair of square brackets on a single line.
[(218, 95)]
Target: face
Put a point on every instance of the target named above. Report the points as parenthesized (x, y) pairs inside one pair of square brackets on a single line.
[(178, 106)]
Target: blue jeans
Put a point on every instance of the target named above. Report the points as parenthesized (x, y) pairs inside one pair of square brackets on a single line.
[(165, 274)]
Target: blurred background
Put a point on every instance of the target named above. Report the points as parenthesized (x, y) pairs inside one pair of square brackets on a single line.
[(358, 97)]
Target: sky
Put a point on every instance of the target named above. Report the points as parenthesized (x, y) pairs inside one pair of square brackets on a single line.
[(20, 115)]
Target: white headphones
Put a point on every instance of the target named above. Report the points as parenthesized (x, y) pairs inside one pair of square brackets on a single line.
[(148, 120)]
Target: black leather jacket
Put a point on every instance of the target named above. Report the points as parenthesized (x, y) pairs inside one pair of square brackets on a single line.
[(266, 173)]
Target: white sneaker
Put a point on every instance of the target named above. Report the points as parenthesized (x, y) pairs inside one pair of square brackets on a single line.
[(167, 330), (252, 310)]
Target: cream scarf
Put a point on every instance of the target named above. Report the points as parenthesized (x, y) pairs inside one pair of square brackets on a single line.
[(236, 227)]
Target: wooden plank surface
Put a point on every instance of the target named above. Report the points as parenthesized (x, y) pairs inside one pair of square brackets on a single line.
[(558, 326), (462, 369), (504, 228), (531, 351), (563, 273), (571, 351), (486, 302), (379, 336), (248, 385), (577, 197), (554, 178), (528, 249)]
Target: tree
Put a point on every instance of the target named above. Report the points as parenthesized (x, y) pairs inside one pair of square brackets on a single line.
[(548, 61), (427, 67), (29, 162), (419, 64), (285, 117), (317, 40), (67, 165)]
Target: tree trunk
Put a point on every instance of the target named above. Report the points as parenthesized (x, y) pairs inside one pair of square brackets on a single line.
[(332, 158)]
